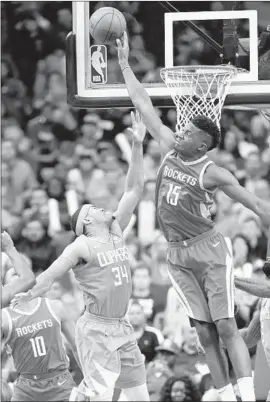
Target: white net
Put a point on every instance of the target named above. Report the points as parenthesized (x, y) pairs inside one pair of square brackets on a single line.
[(198, 90)]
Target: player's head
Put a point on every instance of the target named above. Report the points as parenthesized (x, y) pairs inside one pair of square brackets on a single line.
[(141, 278), (200, 135), (180, 389), (89, 216)]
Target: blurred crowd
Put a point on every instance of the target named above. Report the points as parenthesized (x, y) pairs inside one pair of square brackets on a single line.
[(55, 158)]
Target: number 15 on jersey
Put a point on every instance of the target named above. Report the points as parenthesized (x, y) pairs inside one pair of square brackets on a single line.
[(173, 194)]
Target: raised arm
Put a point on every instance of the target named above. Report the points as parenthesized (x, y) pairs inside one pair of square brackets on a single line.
[(216, 176), (68, 259), (26, 278), (135, 175), (142, 101)]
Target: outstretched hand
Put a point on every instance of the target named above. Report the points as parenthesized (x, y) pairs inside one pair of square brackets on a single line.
[(138, 129), (123, 49), (20, 298)]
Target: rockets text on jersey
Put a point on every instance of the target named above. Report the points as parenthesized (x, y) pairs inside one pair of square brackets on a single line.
[(106, 278), (35, 340), (182, 203)]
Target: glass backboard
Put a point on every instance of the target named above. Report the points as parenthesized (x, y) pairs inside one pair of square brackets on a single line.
[(166, 34)]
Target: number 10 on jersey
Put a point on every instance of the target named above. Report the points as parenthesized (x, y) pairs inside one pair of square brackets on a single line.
[(38, 346), (173, 194)]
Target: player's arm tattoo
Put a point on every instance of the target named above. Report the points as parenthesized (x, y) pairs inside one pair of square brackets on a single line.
[(254, 286)]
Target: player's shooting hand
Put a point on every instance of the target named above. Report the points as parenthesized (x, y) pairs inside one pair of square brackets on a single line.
[(6, 242), (20, 298), (123, 49), (138, 129)]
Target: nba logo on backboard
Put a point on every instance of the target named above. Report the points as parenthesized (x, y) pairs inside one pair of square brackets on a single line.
[(98, 64)]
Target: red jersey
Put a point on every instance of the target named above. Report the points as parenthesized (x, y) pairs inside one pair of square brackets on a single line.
[(35, 340), (105, 278), (182, 203)]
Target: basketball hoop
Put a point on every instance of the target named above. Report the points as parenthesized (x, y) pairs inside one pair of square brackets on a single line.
[(198, 90)]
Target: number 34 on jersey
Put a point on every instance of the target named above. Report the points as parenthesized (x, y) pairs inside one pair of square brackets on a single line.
[(120, 274)]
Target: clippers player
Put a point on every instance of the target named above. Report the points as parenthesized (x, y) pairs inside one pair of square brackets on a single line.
[(33, 333), (107, 348), (25, 278), (200, 264)]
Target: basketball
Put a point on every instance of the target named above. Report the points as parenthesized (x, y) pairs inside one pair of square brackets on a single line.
[(106, 25)]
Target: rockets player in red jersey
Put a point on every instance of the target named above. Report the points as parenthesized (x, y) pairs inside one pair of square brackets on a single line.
[(107, 347), (200, 264), (33, 334), (25, 277)]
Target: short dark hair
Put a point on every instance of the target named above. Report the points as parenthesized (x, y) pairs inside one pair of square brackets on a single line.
[(73, 220), (192, 392), (208, 126)]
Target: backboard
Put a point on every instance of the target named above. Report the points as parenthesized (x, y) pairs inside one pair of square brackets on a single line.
[(167, 34)]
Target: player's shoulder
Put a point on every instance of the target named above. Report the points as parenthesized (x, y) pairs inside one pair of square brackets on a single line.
[(56, 308), (216, 176), (80, 246), (115, 228)]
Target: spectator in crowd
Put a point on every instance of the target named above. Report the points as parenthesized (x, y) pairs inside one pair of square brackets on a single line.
[(254, 171), (152, 160), (10, 202), (141, 290), (161, 368), (147, 214), (37, 245), (22, 177), (86, 179), (156, 259), (175, 318), (191, 357), (148, 338), (180, 389), (90, 133)]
